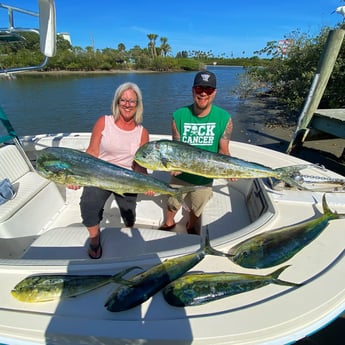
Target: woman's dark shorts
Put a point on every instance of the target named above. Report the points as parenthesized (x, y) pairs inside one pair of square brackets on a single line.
[(92, 203)]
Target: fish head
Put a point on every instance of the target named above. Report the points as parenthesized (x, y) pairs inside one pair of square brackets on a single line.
[(245, 254), (49, 166), (54, 167), (16, 293), (152, 155)]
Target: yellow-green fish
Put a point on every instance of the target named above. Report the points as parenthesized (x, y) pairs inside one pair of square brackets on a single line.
[(171, 155), (199, 288), (69, 166), (48, 287), (277, 246), (146, 284)]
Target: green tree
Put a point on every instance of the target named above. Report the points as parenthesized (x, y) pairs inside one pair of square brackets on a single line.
[(290, 78), (164, 47), (152, 44)]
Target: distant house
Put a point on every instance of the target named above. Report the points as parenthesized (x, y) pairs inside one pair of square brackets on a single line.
[(65, 36)]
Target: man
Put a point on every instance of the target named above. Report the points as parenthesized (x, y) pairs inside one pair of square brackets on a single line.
[(206, 126)]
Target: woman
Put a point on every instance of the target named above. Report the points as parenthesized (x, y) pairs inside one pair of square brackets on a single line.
[(115, 138)]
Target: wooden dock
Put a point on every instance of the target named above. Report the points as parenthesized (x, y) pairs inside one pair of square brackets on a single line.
[(327, 124)]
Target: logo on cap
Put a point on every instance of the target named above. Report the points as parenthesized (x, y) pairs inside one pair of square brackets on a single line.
[(205, 77)]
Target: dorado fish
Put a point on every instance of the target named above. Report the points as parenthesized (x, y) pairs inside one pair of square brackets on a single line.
[(200, 288), (171, 155), (277, 246), (68, 166), (146, 284), (47, 287)]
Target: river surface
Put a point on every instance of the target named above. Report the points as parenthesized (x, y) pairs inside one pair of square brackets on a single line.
[(66, 103)]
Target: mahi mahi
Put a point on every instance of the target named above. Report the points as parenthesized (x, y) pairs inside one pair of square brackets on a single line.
[(199, 288), (48, 287), (146, 284), (171, 155), (277, 246), (69, 166)]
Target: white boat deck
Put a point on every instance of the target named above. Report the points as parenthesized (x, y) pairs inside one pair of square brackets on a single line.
[(67, 238), (237, 211)]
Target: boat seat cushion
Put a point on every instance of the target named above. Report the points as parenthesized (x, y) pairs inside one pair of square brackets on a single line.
[(12, 164), (71, 243), (26, 183)]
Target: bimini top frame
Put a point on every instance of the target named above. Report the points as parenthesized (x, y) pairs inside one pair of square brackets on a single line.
[(46, 31)]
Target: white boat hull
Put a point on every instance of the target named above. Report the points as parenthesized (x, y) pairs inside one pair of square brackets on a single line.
[(273, 314)]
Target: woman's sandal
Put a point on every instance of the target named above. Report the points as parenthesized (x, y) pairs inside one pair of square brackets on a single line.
[(94, 249), (166, 227)]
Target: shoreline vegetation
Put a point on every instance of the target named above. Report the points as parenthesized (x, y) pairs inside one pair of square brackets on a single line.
[(66, 72)]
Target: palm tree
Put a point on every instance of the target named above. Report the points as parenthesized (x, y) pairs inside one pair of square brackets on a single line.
[(152, 44), (121, 47), (165, 47)]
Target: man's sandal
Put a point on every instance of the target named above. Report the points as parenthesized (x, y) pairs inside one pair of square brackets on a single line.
[(192, 230)]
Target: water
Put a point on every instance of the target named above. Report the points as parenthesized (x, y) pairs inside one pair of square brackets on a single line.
[(72, 103)]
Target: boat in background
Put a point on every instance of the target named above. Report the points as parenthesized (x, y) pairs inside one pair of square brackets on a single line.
[(41, 233)]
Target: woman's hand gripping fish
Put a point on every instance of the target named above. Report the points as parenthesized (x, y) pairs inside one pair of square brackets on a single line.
[(170, 155)]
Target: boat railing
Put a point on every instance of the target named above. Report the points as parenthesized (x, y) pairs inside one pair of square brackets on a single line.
[(46, 32), (13, 33)]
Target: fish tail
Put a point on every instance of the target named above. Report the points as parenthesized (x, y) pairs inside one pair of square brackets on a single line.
[(118, 278), (274, 276), (179, 196), (326, 209), (328, 212), (207, 248)]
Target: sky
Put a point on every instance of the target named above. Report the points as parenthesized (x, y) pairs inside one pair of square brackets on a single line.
[(225, 27)]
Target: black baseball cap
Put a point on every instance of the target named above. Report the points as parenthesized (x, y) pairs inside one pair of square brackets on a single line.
[(205, 78)]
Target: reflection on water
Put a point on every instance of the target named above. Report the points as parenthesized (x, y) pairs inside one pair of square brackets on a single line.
[(72, 103)]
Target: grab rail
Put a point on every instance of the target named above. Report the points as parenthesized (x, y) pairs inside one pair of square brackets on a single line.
[(46, 31)]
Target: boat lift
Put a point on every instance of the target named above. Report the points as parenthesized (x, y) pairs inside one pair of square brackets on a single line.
[(319, 124)]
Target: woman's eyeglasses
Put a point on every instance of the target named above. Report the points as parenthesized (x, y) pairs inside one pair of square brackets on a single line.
[(131, 102), (207, 89)]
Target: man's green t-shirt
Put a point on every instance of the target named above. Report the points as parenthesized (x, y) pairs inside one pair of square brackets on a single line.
[(202, 132)]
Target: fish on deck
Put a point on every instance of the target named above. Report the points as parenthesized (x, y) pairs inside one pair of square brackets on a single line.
[(144, 285), (277, 246), (200, 288), (48, 287)]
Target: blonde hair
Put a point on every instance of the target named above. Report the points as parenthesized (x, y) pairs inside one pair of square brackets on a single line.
[(138, 118)]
